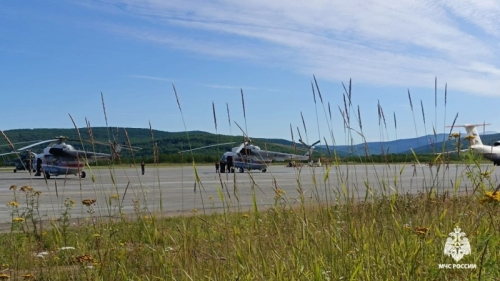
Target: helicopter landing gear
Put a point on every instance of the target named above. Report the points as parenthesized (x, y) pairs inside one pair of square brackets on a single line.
[(264, 170), (15, 171), (46, 175), (83, 174), (241, 170)]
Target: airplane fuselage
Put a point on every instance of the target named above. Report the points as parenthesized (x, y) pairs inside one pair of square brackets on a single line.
[(491, 153)]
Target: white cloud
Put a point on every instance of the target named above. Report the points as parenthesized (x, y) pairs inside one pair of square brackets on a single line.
[(405, 43), (155, 78)]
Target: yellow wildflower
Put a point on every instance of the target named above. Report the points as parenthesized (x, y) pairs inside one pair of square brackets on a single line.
[(26, 188), (4, 276), (18, 219), (279, 193), (490, 196), (486, 174), (420, 230), (115, 196), (12, 204), (245, 216), (84, 258), (29, 276), (88, 202)]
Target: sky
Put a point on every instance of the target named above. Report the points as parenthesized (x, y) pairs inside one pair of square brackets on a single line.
[(259, 60)]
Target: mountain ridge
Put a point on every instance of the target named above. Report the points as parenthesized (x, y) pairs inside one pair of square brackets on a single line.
[(173, 142)]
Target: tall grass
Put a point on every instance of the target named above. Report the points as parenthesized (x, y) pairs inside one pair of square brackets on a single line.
[(355, 223)]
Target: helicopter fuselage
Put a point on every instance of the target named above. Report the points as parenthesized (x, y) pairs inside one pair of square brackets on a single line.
[(63, 159), (232, 161)]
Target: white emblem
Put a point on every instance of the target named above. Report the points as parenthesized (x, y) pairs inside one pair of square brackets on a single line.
[(457, 245)]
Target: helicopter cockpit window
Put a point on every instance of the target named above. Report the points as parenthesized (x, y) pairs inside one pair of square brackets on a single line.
[(497, 143), (69, 147)]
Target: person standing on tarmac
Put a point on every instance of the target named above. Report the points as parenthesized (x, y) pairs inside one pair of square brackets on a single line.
[(143, 167)]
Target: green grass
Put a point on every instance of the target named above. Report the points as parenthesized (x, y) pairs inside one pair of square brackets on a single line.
[(354, 241), (396, 237)]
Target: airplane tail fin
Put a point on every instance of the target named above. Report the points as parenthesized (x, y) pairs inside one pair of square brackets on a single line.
[(472, 133)]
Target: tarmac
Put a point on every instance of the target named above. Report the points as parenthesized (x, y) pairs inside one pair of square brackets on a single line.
[(171, 191)]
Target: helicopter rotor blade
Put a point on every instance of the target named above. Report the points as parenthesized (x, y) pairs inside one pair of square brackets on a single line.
[(35, 144), (19, 143), (302, 142), (207, 146), (247, 139), (315, 143)]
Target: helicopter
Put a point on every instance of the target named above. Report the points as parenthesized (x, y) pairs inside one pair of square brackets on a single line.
[(250, 157), (60, 158), (23, 161)]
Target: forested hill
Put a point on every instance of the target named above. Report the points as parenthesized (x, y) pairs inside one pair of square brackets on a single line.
[(168, 144)]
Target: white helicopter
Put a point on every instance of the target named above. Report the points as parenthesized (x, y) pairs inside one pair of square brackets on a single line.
[(489, 152), (250, 157), (59, 158)]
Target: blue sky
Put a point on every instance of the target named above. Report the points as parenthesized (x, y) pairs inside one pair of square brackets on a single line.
[(57, 57)]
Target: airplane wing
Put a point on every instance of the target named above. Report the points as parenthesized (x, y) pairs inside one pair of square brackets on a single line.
[(453, 151)]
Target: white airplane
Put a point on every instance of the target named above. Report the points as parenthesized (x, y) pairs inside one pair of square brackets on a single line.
[(489, 152)]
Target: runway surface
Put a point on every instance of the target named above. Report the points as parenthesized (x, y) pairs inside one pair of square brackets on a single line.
[(175, 190)]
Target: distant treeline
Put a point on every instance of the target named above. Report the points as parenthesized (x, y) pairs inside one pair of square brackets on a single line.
[(165, 147)]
